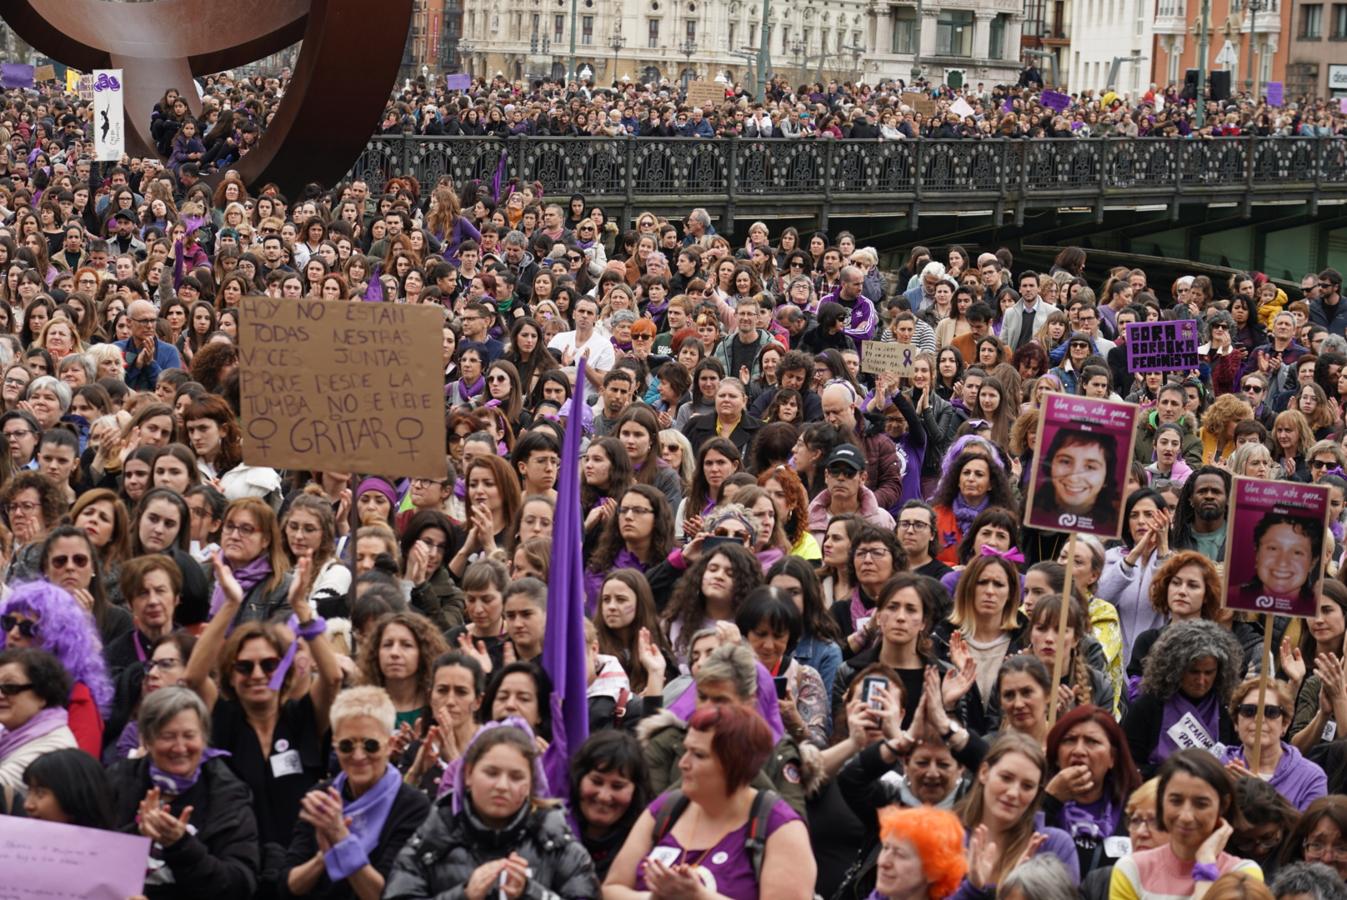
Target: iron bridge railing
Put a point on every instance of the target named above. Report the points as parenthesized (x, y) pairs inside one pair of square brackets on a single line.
[(618, 168)]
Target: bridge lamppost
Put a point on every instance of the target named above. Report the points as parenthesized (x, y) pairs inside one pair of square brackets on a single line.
[(797, 50), (688, 48), (1255, 7), (616, 42)]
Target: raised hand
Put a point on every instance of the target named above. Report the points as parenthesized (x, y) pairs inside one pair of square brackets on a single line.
[(224, 577), (983, 855), (1292, 663)]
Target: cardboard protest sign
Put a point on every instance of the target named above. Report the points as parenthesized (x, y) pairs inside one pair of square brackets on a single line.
[(1055, 100), (44, 73), (919, 102), (1080, 465), (329, 385), (1274, 543), (48, 860), (459, 81), (1275, 93), (881, 356), (1162, 346), (705, 94), (961, 108)]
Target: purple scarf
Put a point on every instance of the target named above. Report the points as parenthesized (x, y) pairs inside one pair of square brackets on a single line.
[(40, 725), (964, 514), (858, 608), (177, 785), (249, 576), (686, 704), (368, 813), (1094, 821), (1206, 712), (472, 390)]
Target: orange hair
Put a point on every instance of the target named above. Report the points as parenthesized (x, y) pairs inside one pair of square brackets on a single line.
[(938, 836)]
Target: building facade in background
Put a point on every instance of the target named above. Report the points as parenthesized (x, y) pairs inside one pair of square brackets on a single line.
[(432, 43), (1317, 57), (1233, 23)]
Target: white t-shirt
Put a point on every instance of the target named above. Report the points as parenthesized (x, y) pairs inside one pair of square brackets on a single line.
[(601, 355)]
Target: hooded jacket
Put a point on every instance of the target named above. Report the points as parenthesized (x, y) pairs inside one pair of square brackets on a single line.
[(870, 511)]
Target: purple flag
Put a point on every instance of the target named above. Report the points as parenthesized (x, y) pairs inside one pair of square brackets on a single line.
[(1275, 93), (564, 652), (1055, 100), (1009, 105), (16, 75), (499, 178), (460, 81)]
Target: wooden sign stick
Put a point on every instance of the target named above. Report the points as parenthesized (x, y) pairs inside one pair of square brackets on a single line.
[(1265, 663), (1059, 657)]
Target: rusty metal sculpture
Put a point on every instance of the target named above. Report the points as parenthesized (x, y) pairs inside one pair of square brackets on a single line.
[(347, 65)]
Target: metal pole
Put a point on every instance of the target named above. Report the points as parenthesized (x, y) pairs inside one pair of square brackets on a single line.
[(1202, 47), (1257, 69), (570, 75), (1253, 38), (764, 51), (916, 55)]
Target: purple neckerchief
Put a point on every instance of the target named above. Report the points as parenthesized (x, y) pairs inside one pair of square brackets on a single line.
[(621, 346), (1094, 821), (140, 648), (249, 576), (453, 782), (857, 608), (42, 724), (656, 311), (965, 512), (178, 785), (367, 814), (686, 704), (473, 389), (1206, 711)]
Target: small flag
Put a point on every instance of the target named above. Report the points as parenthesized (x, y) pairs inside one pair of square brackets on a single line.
[(564, 652), (1275, 93), (459, 81)]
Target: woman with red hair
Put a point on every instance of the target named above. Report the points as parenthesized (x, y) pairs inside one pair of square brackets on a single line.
[(921, 854)]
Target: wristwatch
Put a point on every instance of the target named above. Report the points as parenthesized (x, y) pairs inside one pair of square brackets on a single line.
[(950, 732)]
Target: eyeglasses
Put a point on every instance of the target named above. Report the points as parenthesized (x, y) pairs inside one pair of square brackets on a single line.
[(499, 379), (1322, 463), (78, 560), (26, 507), (1076, 344), (1250, 710), (10, 690), (246, 667), (15, 382), (242, 529), (1318, 848), (1251, 388), (27, 627), (348, 746), (170, 663), (913, 525), (842, 472), (1138, 821), (1219, 326), (145, 321), (635, 511), (871, 552)]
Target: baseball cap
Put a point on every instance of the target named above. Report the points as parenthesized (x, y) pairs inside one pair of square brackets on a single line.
[(845, 455)]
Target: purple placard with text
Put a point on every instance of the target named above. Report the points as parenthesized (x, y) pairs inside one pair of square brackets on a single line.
[(460, 81), (1080, 464), (1275, 96), (1274, 543), (51, 860), (1162, 346)]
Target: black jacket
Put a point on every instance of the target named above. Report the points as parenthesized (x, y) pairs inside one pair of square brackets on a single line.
[(409, 811), (702, 427), (221, 859), (447, 848)]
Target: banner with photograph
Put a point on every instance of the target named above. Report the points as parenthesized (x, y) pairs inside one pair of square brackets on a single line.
[(1274, 545)]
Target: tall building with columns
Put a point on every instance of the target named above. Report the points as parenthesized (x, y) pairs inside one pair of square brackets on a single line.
[(706, 39)]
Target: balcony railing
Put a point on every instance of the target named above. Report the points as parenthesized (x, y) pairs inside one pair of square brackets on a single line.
[(728, 169)]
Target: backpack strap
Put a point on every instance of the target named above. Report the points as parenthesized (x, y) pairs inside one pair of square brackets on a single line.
[(675, 803), (756, 841)]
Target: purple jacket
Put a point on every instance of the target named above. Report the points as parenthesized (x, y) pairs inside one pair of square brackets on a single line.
[(1296, 778)]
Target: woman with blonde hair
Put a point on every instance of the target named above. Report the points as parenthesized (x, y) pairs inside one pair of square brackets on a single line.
[(1291, 440), (1218, 426), (1251, 460)]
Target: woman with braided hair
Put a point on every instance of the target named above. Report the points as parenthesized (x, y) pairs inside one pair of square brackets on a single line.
[(1081, 683)]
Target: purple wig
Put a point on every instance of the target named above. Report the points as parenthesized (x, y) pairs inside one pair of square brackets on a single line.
[(67, 632)]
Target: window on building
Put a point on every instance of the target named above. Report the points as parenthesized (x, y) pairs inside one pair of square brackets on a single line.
[(785, 39), (733, 45), (996, 44), (904, 30), (808, 33), (558, 28), (1312, 21), (1339, 32), (652, 35), (691, 30), (954, 33), (586, 29)]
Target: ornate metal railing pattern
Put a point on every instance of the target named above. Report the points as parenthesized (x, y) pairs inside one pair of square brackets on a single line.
[(614, 169)]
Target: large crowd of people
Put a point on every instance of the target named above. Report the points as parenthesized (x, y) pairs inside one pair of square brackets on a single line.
[(820, 639)]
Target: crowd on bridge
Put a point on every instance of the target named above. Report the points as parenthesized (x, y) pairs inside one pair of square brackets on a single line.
[(820, 638)]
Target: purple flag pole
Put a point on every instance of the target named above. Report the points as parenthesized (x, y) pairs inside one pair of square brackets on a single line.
[(564, 655)]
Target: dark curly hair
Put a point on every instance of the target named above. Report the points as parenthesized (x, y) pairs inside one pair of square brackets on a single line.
[(998, 489), (429, 645), (687, 607)]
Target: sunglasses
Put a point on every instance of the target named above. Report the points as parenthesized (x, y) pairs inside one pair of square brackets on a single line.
[(1252, 388), (369, 745), (27, 627), (79, 560), (1250, 710), (10, 690), (1322, 463), (842, 472), (246, 667)]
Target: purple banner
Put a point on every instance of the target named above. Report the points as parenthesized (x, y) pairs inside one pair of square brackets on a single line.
[(1283, 522), (16, 75), (1162, 346), (460, 81), (1081, 459), (1055, 100), (1275, 96)]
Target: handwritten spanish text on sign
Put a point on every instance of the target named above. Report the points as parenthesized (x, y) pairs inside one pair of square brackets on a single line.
[(706, 94), (1162, 346), (342, 386), (896, 359), (65, 862)]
